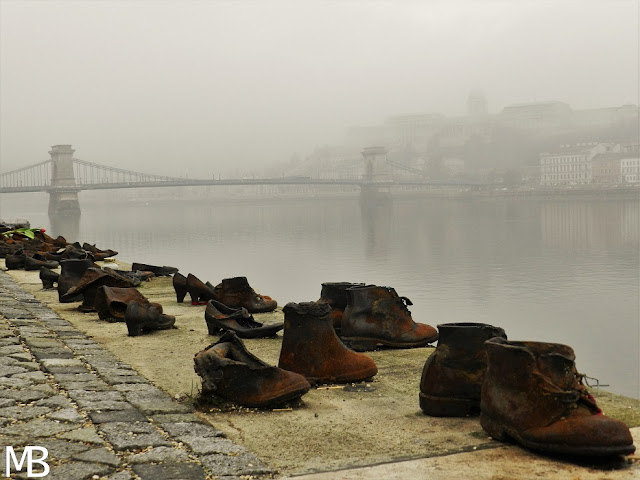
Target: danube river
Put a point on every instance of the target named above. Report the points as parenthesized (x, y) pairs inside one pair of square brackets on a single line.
[(554, 270)]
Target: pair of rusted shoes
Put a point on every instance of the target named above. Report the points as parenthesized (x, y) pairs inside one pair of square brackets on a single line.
[(369, 316), (233, 292), (529, 392), (311, 353)]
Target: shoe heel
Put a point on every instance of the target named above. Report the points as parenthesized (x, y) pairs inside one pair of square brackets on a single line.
[(494, 430), (214, 330), (134, 329), (180, 295)]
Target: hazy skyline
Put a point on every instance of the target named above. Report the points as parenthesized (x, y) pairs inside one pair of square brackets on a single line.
[(195, 88)]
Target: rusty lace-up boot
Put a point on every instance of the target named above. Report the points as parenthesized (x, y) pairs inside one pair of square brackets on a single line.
[(111, 302), (146, 317), (236, 292), (533, 394), (230, 372), (311, 347), (378, 316), (453, 374), (71, 271), (335, 295)]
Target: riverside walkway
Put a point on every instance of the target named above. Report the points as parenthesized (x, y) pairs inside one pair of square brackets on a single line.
[(99, 418), (95, 415)]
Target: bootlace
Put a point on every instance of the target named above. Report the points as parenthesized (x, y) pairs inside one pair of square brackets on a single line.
[(576, 393)]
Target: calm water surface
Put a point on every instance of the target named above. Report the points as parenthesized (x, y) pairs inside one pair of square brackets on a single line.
[(548, 270)]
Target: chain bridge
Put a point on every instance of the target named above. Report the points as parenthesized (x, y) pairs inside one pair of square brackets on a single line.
[(63, 176)]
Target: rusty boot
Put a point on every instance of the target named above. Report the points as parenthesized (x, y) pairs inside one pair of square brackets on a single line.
[(230, 372), (533, 394), (453, 374), (146, 317), (378, 316), (111, 302), (236, 292), (91, 280), (335, 295), (311, 347), (71, 271)]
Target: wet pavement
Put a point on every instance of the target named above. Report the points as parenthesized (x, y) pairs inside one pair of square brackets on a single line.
[(95, 415)]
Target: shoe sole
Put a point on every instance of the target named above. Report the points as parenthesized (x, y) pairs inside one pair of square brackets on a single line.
[(501, 432), (448, 406), (364, 344)]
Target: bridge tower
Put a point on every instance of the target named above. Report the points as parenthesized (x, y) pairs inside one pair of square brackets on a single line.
[(377, 175), (63, 194)]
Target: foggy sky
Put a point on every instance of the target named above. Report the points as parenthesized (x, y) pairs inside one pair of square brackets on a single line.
[(201, 87)]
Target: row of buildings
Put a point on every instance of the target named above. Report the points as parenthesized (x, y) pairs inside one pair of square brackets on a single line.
[(491, 147), (593, 163)]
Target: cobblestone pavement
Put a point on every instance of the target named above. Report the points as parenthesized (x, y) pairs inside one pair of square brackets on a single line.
[(97, 417)]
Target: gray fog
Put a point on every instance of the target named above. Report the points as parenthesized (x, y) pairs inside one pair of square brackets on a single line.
[(195, 88)]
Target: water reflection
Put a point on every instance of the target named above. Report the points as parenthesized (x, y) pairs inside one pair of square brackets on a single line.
[(376, 225), (66, 225)]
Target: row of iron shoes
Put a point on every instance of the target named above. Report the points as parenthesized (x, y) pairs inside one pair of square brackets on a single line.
[(528, 392)]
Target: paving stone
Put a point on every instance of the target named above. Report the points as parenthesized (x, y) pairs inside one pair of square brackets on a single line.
[(106, 405), (155, 402), (67, 415), (38, 343), (56, 401), (208, 445), (162, 418), (96, 386), (25, 395), (90, 396), (61, 450), (99, 455), (85, 435), (126, 436), (129, 415), (243, 464), (23, 413), (6, 370), (116, 379), (160, 455), (175, 471), (35, 376), (7, 349), (70, 370), (78, 471), (124, 475), (62, 362), (6, 402), (51, 354), (14, 382), (22, 356), (39, 427), (84, 376), (181, 429)]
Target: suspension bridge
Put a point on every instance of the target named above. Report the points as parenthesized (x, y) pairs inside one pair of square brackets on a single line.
[(63, 176)]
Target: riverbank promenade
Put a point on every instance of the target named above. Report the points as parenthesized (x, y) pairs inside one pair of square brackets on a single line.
[(99, 418)]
